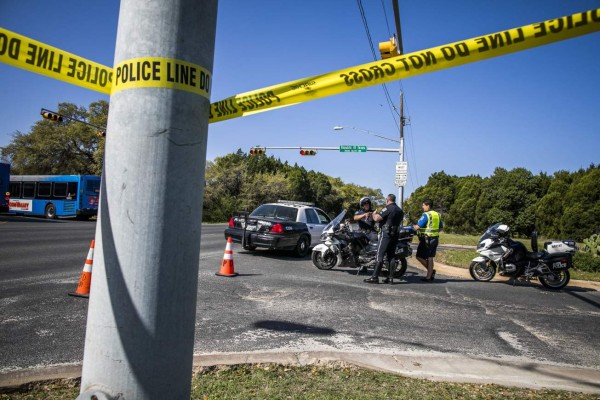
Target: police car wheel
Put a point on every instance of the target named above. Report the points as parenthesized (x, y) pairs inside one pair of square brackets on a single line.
[(302, 247)]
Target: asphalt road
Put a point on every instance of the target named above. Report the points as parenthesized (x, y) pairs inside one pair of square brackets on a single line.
[(281, 303)]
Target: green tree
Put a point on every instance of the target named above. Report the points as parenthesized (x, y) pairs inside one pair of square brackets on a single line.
[(461, 218), (56, 148), (550, 207), (224, 180), (581, 216), (440, 188), (320, 187), (510, 197), (237, 182)]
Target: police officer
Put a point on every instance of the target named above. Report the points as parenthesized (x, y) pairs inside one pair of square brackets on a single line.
[(390, 219), (364, 215), (429, 232)]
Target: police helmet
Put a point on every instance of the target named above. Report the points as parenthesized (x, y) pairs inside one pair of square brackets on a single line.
[(363, 201)]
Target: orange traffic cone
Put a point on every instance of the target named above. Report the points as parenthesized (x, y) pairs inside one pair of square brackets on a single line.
[(83, 288), (227, 264)]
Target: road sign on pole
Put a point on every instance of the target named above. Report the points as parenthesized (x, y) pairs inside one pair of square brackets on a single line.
[(401, 167), (401, 173), (352, 149)]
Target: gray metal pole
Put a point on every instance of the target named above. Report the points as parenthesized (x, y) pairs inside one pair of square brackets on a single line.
[(142, 311)]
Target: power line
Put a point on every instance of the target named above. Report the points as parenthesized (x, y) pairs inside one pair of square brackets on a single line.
[(370, 39), (393, 110), (386, 19)]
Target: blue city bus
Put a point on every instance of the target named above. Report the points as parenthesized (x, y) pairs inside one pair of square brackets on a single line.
[(55, 195), (4, 179)]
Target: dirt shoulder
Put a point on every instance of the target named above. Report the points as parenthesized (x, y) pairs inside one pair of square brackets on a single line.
[(448, 270)]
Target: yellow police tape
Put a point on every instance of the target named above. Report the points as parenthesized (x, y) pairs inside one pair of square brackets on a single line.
[(35, 56), (407, 65), (162, 72)]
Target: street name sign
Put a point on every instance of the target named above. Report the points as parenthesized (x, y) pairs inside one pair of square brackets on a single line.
[(352, 149)]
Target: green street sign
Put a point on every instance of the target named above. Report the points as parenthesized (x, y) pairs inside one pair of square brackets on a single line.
[(353, 149)]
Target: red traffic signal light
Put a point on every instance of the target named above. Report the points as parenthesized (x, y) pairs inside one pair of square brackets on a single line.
[(308, 152), (52, 116), (255, 151)]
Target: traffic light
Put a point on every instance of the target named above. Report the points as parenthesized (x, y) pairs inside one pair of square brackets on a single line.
[(308, 152), (388, 49), (255, 151), (52, 116)]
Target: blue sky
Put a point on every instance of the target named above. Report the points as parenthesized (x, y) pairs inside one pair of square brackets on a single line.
[(536, 109)]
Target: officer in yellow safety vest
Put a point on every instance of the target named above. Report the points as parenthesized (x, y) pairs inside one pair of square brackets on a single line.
[(429, 227)]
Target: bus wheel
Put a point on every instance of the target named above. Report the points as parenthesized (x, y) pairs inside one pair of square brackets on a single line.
[(50, 211)]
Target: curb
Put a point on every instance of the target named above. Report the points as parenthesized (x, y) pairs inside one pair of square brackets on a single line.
[(458, 272), (432, 366)]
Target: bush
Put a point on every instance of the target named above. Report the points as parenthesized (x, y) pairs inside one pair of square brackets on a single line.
[(586, 262), (591, 245)]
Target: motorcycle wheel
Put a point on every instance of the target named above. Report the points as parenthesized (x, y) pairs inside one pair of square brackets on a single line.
[(324, 262), (401, 269), (483, 271), (556, 280)]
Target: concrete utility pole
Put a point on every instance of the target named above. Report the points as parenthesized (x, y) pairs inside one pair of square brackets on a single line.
[(142, 311), (401, 188)]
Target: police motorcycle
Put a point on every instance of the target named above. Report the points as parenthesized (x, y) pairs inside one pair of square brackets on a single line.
[(498, 252), (342, 246)]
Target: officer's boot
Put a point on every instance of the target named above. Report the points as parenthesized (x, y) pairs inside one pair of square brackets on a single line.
[(391, 271), (375, 277)]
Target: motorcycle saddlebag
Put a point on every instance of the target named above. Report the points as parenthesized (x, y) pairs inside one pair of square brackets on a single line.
[(403, 251), (560, 246), (558, 261)]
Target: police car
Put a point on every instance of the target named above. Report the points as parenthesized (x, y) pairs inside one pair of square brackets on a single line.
[(285, 225)]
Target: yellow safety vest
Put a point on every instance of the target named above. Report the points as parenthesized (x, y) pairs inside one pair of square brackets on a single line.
[(433, 224)]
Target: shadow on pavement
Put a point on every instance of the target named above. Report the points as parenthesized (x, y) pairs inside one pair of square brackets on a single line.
[(293, 327), (573, 292), (273, 254), (22, 218)]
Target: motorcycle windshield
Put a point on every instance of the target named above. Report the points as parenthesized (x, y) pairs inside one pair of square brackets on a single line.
[(335, 222), (492, 231)]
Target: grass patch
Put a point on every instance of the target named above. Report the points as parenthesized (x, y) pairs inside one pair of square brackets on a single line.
[(456, 258), (332, 381), (472, 240), (58, 389), (462, 240), (585, 275)]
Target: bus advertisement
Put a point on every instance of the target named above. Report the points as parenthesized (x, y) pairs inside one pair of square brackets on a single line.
[(54, 195), (4, 179)]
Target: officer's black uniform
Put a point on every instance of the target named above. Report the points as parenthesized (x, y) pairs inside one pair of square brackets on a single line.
[(390, 230), (368, 224)]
